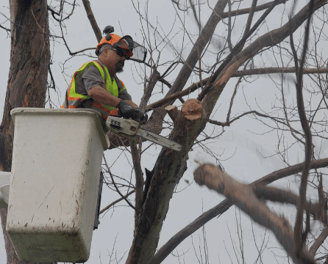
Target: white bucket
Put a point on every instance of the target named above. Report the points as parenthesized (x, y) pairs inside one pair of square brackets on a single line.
[(56, 166)]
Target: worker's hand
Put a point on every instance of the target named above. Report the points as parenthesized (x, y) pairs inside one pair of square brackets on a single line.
[(145, 119), (140, 116), (126, 110)]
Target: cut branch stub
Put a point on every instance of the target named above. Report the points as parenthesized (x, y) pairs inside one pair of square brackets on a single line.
[(192, 109), (173, 112)]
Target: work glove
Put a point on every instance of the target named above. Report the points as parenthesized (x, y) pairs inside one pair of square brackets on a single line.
[(140, 116), (127, 111), (144, 120)]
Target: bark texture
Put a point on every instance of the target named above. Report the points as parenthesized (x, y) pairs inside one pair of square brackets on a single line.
[(169, 168), (29, 61)]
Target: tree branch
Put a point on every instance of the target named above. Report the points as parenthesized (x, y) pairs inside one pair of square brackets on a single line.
[(168, 169), (116, 188), (198, 48), (172, 97), (115, 202), (7, 29), (139, 178), (247, 10), (155, 76), (315, 246), (222, 207), (237, 49), (243, 196), (267, 40), (308, 137), (92, 19), (281, 196), (272, 70), (242, 73)]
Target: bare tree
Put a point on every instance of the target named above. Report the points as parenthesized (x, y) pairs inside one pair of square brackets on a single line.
[(214, 59), (29, 62)]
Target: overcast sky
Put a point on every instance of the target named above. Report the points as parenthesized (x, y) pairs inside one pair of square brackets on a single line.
[(240, 143)]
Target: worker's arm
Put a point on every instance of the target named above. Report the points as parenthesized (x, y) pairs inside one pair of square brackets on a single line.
[(102, 96), (131, 103), (126, 107)]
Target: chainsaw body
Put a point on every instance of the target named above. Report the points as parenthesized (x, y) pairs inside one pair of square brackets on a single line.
[(129, 127)]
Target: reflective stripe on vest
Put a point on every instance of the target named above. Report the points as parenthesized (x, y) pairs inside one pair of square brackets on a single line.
[(75, 100)]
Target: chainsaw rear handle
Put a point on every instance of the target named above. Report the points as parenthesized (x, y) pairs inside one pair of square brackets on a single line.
[(122, 126)]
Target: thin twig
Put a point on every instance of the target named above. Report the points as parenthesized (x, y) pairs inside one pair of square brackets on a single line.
[(116, 188), (308, 138), (115, 202)]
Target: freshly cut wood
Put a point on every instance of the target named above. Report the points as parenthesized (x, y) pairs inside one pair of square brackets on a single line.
[(192, 109), (173, 112)]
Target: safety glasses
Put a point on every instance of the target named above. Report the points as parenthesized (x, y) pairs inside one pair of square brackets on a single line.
[(130, 49), (126, 53)]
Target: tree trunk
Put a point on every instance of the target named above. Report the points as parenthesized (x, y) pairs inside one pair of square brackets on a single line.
[(29, 61), (169, 168)]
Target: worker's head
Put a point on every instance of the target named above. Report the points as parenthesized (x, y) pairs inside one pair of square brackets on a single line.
[(113, 49)]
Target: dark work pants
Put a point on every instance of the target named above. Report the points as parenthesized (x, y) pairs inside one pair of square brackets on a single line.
[(96, 223)]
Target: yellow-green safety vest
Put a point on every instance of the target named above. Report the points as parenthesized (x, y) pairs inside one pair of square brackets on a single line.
[(75, 100)]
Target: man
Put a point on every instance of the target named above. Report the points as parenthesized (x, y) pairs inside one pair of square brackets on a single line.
[(96, 86)]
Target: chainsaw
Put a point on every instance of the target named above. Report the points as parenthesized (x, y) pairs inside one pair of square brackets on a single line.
[(129, 127)]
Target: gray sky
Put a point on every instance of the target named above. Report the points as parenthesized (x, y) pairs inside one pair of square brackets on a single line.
[(245, 148)]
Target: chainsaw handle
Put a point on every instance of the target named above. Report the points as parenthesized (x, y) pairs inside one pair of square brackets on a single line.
[(122, 126)]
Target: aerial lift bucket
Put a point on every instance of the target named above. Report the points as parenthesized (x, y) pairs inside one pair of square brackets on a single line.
[(56, 165)]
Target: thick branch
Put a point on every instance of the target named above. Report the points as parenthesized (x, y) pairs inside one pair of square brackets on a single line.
[(236, 49), (92, 19), (172, 97), (139, 178), (281, 196), (315, 246), (169, 168), (308, 137), (192, 109), (272, 70), (243, 73), (173, 112), (219, 209), (198, 47), (243, 196), (155, 76), (267, 40)]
